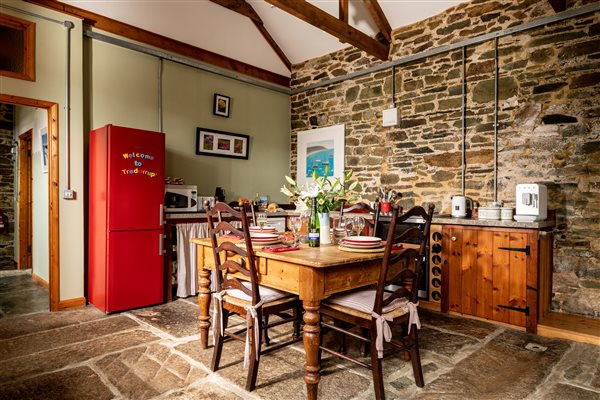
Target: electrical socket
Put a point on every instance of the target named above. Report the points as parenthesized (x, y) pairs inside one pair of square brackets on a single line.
[(69, 194)]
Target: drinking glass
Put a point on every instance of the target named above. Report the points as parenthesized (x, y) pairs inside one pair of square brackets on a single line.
[(339, 230), (296, 224), (358, 223), (261, 219)]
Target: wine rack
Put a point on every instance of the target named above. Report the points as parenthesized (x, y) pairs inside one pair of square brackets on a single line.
[(435, 264)]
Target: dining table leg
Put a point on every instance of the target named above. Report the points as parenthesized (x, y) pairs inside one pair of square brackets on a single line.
[(311, 336), (204, 296)]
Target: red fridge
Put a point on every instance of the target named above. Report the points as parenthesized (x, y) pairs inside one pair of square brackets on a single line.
[(126, 197)]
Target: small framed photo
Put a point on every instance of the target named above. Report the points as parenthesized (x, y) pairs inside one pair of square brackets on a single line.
[(210, 142), (221, 105)]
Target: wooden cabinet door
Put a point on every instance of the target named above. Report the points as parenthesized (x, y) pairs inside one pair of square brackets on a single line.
[(487, 270)]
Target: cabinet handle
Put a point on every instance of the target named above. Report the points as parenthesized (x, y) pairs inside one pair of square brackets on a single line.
[(453, 238), (161, 240), (161, 220)]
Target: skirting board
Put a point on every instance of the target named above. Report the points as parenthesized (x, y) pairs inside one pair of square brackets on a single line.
[(40, 280), (77, 302), (572, 327)]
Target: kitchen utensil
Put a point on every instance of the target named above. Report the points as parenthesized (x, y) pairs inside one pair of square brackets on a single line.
[(506, 213), (532, 202), (459, 206), (489, 213)]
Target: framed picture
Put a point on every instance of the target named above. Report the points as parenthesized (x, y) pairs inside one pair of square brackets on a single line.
[(44, 141), (221, 105), (210, 142), (318, 148)]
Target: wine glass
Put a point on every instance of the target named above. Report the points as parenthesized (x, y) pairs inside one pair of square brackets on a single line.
[(358, 223), (261, 220), (295, 224)]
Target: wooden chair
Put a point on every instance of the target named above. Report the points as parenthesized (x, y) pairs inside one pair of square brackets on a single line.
[(238, 292), (393, 302), (371, 225)]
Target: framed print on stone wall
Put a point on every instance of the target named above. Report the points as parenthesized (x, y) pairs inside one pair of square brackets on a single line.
[(318, 148)]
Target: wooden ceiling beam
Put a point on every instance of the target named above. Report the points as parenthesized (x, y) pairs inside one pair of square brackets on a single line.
[(140, 35), (315, 16), (343, 11), (558, 5), (242, 7), (379, 18)]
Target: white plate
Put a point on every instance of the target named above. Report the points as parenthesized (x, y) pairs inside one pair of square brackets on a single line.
[(361, 250), (363, 239), (266, 228), (362, 246), (263, 235)]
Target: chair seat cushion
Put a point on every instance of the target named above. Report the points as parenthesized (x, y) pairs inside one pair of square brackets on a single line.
[(267, 295), (362, 301)]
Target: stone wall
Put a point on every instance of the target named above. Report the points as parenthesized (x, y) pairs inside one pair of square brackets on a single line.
[(7, 184), (548, 115)]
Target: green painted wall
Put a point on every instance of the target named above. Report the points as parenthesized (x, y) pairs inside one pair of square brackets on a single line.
[(127, 93)]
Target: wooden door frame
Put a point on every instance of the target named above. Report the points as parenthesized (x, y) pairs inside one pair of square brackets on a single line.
[(24, 199), (53, 195)]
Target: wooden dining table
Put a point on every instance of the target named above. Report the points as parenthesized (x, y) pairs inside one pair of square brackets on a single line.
[(313, 273)]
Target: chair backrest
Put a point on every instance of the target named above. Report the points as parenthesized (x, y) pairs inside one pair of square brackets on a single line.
[(232, 256), (401, 269), (372, 225)]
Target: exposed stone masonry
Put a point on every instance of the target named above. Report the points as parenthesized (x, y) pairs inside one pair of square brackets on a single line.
[(548, 115), (7, 185)]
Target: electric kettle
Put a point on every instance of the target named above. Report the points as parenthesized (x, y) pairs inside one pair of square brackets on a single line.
[(459, 206)]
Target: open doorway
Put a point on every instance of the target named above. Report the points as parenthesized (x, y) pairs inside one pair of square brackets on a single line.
[(53, 195)]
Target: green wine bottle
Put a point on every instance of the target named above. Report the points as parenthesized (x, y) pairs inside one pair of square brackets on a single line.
[(313, 226)]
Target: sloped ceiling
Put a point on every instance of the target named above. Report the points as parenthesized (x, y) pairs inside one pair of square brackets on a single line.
[(210, 26)]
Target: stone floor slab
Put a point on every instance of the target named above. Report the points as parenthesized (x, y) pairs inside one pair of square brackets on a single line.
[(465, 326), (443, 342), (563, 392), (147, 371), (203, 391), (178, 318), (582, 366), (42, 321), (501, 369), (70, 384), (50, 339), (19, 294), (54, 359)]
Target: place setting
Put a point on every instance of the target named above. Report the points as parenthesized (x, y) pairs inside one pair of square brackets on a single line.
[(362, 244)]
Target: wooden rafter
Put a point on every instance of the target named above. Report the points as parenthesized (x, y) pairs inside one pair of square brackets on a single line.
[(558, 5), (315, 16), (242, 7), (380, 20), (140, 35), (343, 10)]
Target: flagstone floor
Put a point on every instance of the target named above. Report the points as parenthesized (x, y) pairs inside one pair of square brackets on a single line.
[(154, 353)]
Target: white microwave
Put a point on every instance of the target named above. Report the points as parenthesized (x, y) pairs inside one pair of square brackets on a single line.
[(181, 198)]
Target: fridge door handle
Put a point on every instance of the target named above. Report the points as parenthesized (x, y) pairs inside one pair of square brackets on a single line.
[(162, 213), (161, 241)]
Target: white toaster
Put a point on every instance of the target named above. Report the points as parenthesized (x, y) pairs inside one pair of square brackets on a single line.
[(532, 202)]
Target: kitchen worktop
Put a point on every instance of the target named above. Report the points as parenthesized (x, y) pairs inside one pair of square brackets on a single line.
[(441, 219), (446, 219), (189, 215)]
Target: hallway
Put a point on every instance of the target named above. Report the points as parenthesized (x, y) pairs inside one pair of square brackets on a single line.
[(19, 294), (153, 353)]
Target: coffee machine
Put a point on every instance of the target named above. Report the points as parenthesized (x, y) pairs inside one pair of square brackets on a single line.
[(532, 202)]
